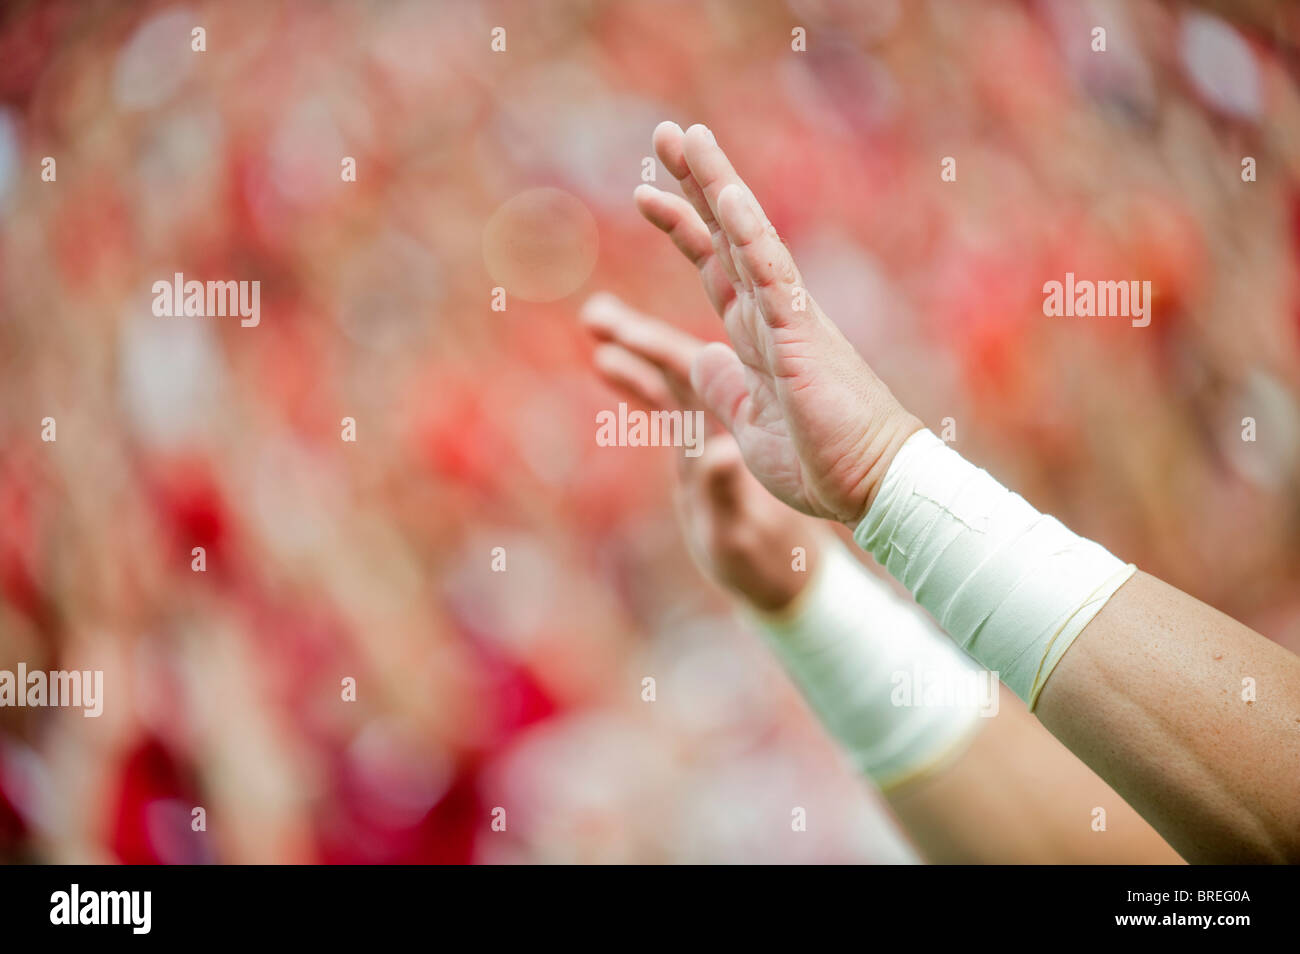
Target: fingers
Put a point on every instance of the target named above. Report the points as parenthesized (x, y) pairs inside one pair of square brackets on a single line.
[(626, 372), (677, 218), (745, 244), (763, 258), (670, 146), (710, 168), (669, 349), (719, 379)]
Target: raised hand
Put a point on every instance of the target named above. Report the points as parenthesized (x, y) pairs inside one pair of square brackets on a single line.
[(739, 534), (813, 422)]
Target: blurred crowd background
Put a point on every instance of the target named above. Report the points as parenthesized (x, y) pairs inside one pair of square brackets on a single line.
[(372, 560)]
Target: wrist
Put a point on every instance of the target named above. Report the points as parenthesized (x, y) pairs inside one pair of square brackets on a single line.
[(890, 436), (856, 652), (1011, 585)]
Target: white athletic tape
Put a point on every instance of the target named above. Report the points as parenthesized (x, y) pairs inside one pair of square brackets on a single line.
[(1012, 586), (885, 683)]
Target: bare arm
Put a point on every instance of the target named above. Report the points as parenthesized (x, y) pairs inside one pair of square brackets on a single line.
[(1018, 796), (1140, 694), (1151, 696)]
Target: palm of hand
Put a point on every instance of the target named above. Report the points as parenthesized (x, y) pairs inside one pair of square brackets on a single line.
[(813, 422), (799, 424)]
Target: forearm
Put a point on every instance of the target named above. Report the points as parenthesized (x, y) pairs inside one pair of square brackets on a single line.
[(991, 790), (1154, 696), (1018, 796)]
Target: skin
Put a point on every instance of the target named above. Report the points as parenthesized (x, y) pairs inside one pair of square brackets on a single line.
[(1014, 795), (1018, 796), (1149, 695)]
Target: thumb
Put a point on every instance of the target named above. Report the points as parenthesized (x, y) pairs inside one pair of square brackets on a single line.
[(718, 378), (722, 472)]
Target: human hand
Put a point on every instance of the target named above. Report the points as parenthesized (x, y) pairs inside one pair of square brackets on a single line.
[(742, 537), (812, 421)]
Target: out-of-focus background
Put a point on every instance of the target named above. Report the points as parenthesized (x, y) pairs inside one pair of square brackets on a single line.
[(372, 560)]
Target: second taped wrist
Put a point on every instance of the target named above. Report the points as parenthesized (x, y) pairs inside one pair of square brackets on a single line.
[(891, 689)]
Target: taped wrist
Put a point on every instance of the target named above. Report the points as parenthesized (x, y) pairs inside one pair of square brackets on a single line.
[(1012, 586), (870, 665)]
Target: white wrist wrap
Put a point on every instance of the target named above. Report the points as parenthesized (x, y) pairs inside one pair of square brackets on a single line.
[(850, 645), (1012, 586)]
